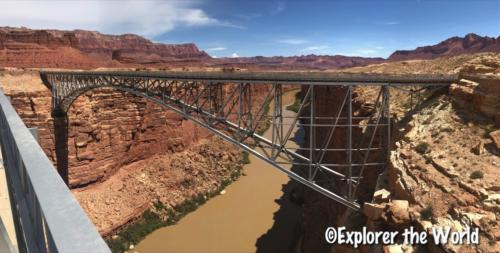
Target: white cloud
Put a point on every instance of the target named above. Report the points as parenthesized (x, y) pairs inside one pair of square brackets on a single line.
[(147, 18), (391, 23), (278, 7), (293, 41), (216, 49), (367, 51), (234, 55), (249, 16), (315, 48)]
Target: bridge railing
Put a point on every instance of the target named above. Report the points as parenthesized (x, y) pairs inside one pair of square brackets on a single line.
[(47, 218)]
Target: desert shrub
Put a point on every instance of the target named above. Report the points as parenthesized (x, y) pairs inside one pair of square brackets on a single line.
[(427, 212), (159, 206), (476, 174), (448, 130), (422, 147), (488, 129), (245, 159)]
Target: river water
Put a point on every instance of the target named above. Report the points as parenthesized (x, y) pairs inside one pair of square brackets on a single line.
[(254, 215)]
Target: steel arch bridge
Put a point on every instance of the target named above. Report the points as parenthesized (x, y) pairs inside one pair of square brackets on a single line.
[(233, 105)]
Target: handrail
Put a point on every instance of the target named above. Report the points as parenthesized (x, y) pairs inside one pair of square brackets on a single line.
[(46, 215)]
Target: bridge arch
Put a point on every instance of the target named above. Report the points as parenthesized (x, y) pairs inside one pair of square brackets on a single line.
[(224, 104)]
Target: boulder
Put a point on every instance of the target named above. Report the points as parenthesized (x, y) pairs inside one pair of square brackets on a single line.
[(373, 211), (462, 93), (381, 196), (495, 136), (478, 149), (398, 214), (393, 248)]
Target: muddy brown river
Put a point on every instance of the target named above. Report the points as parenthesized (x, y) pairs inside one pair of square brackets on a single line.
[(254, 215)]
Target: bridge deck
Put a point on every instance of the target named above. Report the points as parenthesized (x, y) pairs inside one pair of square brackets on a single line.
[(323, 78)]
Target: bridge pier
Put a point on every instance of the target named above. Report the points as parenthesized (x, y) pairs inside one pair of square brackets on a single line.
[(61, 142)]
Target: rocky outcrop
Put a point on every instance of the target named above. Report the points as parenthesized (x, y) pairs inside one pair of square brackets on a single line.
[(479, 88), (471, 43), (480, 94), (43, 38)]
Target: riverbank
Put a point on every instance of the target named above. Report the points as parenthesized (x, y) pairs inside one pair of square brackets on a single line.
[(160, 216)]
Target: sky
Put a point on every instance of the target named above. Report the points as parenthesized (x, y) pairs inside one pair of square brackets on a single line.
[(240, 28)]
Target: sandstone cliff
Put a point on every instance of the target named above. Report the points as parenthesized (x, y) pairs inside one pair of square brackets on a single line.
[(23, 47)]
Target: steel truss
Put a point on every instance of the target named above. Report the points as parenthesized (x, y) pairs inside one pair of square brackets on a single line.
[(236, 106)]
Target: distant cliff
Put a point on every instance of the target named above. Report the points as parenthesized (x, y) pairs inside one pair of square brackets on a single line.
[(471, 43), (23, 47), (298, 62)]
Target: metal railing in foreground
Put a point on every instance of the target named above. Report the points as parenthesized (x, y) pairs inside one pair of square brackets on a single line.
[(47, 217)]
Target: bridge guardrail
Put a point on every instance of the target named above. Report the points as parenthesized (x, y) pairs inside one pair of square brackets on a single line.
[(46, 215)]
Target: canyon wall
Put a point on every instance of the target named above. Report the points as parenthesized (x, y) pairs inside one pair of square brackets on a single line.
[(107, 129)]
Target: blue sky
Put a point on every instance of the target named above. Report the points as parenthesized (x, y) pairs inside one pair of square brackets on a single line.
[(227, 28)]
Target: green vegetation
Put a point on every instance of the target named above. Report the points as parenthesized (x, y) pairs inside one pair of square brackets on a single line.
[(448, 130), (159, 206), (245, 157), (296, 104), (135, 232), (427, 212), (488, 129), (422, 148), (477, 174), (161, 216)]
